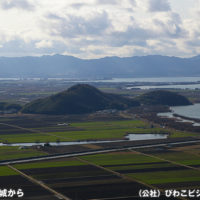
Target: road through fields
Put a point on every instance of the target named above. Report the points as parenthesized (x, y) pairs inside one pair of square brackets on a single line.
[(67, 155)]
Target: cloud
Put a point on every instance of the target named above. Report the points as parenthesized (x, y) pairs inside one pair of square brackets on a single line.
[(170, 26), (111, 2), (159, 6), (22, 4), (44, 44), (132, 2), (74, 26), (78, 5), (97, 28)]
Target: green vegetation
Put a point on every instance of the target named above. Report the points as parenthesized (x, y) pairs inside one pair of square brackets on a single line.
[(47, 164), (9, 152), (108, 130), (180, 157), (162, 97), (125, 124), (120, 161), (176, 134), (34, 138), (119, 158), (104, 134), (86, 131), (160, 177), (78, 99), (6, 171)]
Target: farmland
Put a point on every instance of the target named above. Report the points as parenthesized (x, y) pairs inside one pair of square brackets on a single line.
[(116, 175), (13, 152), (154, 171), (79, 180), (27, 129), (9, 179), (113, 175)]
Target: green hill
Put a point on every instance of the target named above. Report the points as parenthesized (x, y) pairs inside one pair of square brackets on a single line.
[(78, 99), (163, 97)]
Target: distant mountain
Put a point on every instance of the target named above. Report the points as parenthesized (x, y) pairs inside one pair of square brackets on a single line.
[(163, 97), (108, 67), (78, 99)]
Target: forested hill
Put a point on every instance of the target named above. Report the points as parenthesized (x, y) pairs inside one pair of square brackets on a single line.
[(83, 98), (79, 99), (163, 97), (108, 67)]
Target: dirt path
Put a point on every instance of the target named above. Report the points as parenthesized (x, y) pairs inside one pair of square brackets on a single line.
[(123, 176), (115, 173), (59, 195)]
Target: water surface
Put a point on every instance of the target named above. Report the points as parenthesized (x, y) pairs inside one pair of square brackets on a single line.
[(191, 111), (129, 137), (171, 86)]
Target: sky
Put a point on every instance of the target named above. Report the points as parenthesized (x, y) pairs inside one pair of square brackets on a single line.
[(99, 28)]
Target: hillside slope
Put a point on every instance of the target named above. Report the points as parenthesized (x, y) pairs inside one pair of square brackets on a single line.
[(78, 99), (163, 97)]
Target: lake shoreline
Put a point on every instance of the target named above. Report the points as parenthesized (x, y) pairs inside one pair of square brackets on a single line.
[(187, 118)]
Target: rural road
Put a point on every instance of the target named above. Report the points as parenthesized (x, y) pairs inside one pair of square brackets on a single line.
[(67, 155)]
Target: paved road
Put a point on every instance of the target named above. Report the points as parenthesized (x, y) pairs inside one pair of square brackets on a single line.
[(67, 155)]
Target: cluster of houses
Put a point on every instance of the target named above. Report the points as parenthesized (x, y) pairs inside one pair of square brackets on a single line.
[(108, 111)]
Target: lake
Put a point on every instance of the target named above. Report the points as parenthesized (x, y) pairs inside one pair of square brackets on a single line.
[(191, 111), (171, 86), (155, 79)]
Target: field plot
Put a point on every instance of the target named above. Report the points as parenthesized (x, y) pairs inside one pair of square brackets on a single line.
[(181, 157), (106, 130), (7, 130), (30, 138), (192, 149), (51, 129), (78, 180), (9, 152), (68, 148), (149, 170), (9, 179), (120, 158), (168, 179)]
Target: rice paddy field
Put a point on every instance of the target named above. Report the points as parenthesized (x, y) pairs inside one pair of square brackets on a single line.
[(108, 176), (79, 180), (9, 179), (35, 129), (14, 152), (117, 175), (177, 170), (26, 129)]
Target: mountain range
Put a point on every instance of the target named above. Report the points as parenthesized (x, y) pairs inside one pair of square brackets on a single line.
[(108, 67)]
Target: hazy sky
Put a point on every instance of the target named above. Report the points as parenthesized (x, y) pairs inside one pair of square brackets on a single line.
[(98, 28)]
